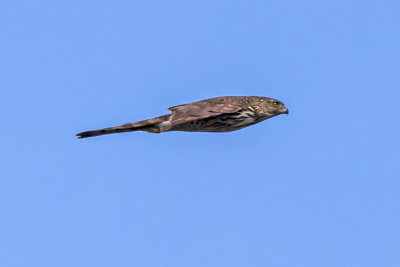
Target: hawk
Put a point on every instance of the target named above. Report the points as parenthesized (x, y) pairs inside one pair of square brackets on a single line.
[(219, 114)]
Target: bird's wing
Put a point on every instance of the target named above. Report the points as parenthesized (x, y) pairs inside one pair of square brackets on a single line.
[(203, 109)]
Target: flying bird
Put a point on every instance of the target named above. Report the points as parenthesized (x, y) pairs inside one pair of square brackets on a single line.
[(219, 114)]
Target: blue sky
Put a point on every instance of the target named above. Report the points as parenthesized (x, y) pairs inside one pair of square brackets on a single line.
[(319, 187)]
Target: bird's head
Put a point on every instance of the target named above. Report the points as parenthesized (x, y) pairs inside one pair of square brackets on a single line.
[(272, 107)]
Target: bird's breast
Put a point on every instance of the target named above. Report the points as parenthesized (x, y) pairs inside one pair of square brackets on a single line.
[(245, 117)]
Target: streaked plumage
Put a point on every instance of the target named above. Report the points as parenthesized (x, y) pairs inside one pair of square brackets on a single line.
[(219, 114)]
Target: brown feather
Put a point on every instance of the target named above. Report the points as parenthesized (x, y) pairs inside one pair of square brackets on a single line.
[(219, 114)]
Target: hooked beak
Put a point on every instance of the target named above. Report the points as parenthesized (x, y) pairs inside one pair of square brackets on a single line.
[(286, 111)]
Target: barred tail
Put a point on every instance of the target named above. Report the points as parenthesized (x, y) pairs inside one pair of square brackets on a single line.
[(151, 126)]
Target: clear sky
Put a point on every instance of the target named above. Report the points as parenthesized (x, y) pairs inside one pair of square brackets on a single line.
[(319, 187)]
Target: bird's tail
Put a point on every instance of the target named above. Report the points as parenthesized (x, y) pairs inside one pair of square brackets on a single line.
[(150, 125)]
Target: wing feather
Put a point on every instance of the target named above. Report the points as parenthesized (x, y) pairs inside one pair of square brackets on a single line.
[(203, 109)]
